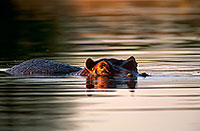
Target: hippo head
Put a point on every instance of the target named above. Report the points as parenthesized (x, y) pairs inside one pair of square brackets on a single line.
[(111, 67), (102, 68)]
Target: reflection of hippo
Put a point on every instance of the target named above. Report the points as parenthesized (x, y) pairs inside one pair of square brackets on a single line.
[(106, 84), (103, 67)]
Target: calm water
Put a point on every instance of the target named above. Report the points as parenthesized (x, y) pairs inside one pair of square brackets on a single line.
[(163, 36)]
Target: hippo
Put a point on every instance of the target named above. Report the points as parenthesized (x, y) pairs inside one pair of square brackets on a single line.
[(41, 67), (103, 67)]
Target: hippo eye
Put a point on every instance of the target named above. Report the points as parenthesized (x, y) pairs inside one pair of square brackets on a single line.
[(130, 75), (102, 66)]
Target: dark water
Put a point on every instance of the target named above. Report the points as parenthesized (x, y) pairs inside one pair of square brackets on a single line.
[(163, 36)]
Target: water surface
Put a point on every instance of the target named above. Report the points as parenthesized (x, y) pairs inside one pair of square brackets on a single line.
[(163, 36)]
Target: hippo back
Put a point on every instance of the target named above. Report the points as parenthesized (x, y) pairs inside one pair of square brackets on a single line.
[(42, 67)]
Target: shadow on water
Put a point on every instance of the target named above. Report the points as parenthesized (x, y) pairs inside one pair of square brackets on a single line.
[(35, 113), (28, 30)]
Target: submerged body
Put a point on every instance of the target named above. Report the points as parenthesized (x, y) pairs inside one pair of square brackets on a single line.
[(103, 67)]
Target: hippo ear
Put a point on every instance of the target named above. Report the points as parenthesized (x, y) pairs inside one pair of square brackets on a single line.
[(89, 64), (131, 58), (130, 65)]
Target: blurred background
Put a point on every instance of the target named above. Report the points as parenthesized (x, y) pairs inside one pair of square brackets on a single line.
[(44, 28)]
